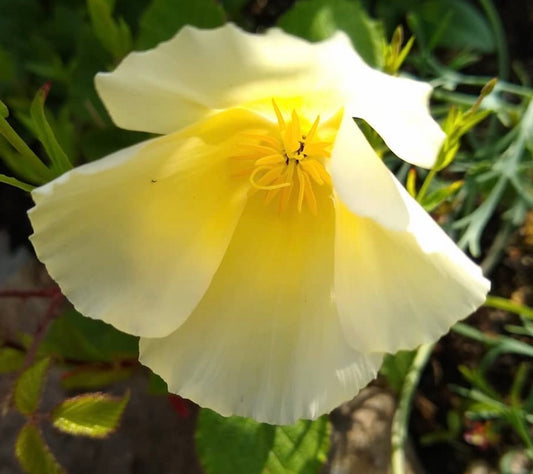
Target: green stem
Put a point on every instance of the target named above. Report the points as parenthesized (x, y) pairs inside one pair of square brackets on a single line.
[(425, 185), (400, 422), (510, 306)]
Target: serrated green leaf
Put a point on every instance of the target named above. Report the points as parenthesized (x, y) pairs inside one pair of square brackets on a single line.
[(90, 378), (163, 19), (95, 415), (10, 359), (299, 449), (59, 160), (73, 336), (33, 454), (236, 444), (395, 368), (317, 20), (115, 37), (233, 444), (29, 385)]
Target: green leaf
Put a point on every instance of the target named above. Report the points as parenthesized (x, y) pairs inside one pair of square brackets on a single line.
[(508, 305), (115, 37), (27, 164), (436, 198), (164, 18), (235, 444), (94, 377), (10, 359), (15, 183), (396, 367), (459, 25), (33, 454), (29, 385), (73, 336), (45, 134), (4, 111), (317, 20), (299, 449), (18, 165), (234, 8), (93, 414)]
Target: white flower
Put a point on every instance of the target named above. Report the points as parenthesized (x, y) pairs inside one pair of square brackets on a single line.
[(260, 249)]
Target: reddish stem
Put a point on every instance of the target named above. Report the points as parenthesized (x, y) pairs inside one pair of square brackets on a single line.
[(49, 316), (44, 293)]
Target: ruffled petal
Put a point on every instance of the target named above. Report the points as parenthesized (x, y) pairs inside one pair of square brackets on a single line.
[(197, 71), (134, 239), (266, 341), (396, 107), (362, 181), (396, 290)]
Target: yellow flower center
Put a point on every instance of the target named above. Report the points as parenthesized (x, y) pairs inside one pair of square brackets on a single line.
[(288, 163)]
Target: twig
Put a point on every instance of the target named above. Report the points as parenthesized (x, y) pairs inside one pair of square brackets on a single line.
[(50, 315), (24, 294)]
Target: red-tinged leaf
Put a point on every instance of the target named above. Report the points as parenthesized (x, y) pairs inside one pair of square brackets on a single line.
[(95, 415)]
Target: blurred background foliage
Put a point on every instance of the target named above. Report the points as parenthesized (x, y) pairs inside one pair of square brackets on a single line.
[(481, 193)]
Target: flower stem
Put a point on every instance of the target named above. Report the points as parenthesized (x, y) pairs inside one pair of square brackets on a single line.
[(425, 185), (400, 421)]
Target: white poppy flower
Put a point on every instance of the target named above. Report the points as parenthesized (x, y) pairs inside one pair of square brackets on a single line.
[(261, 250)]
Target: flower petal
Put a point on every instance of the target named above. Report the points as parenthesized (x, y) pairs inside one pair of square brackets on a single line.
[(362, 181), (396, 107), (396, 290), (271, 345), (135, 238), (185, 78)]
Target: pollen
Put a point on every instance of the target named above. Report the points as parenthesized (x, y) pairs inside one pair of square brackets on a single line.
[(288, 164)]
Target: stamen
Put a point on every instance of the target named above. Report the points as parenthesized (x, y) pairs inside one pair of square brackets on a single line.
[(248, 156), (272, 172), (286, 157), (262, 148), (270, 160)]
